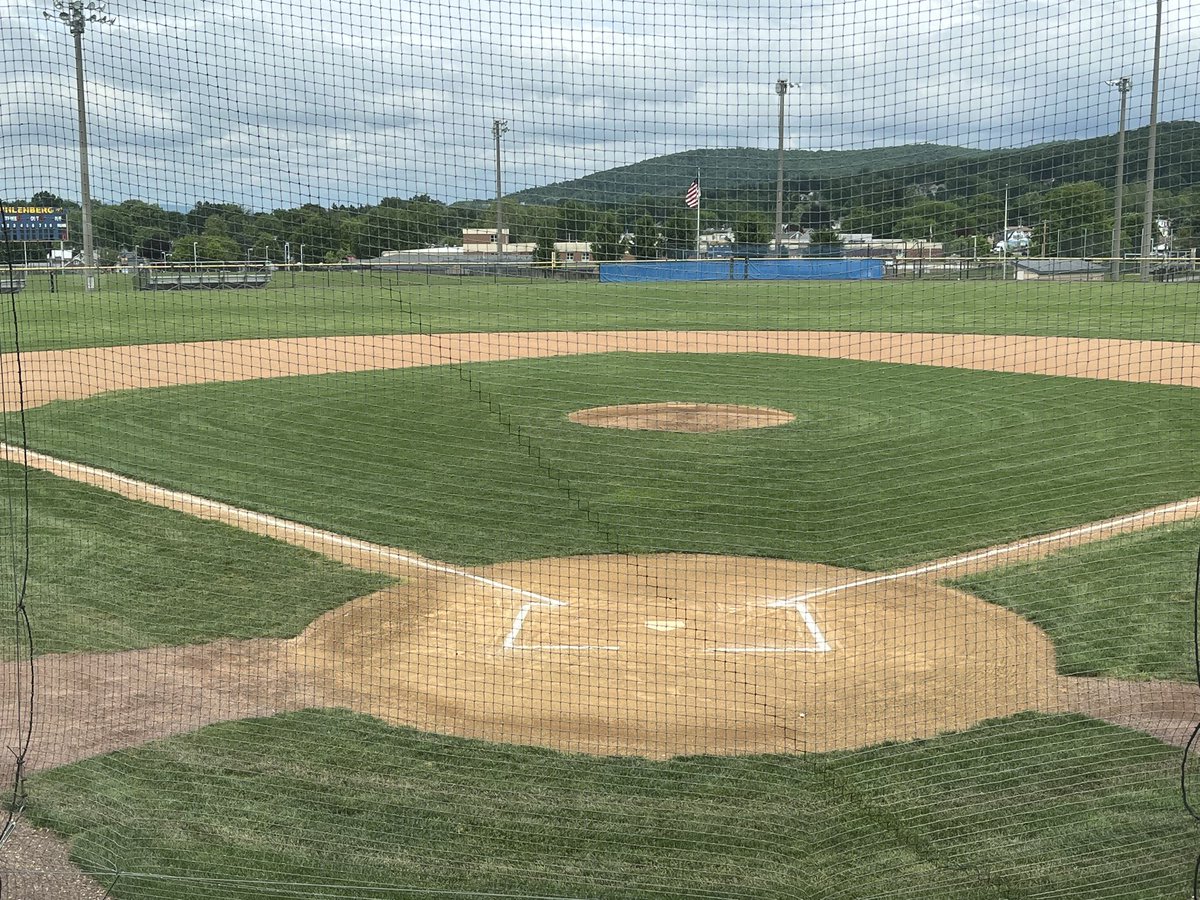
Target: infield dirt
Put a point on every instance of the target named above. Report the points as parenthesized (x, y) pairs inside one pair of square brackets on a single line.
[(906, 658), (689, 418)]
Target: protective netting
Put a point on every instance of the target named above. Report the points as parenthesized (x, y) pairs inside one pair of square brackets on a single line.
[(580, 450)]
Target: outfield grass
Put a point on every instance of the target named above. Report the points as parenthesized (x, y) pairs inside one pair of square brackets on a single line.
[(370, 303), (342, 806), (111, 574), (1121, 608), (884, 465)]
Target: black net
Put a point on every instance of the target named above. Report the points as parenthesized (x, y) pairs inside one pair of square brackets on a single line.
[(531, 450)]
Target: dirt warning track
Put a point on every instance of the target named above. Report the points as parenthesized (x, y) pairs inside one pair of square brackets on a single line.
[(50, 375)]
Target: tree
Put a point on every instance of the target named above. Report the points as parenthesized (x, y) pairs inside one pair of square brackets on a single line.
[(207, 248), (544, 236), (1078, 220), (752, 228), (574, 219), (154, 247), (751, 235), (813, 214), (382, 228), (45, 198), (646, 239), (605, 238), (679, 235), (824, 242)]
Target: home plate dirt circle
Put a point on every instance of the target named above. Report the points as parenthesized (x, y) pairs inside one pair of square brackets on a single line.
[(670, 654), (691, 418)]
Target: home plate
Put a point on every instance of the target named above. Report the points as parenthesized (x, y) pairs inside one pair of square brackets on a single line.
[(665, 624)]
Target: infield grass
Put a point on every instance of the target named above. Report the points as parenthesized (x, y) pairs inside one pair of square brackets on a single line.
[(1121, 608), (337, 805), (885, 464), (374, 303), (113, 574)]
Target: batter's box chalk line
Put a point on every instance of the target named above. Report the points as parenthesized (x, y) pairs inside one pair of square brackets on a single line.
[(818, 644)]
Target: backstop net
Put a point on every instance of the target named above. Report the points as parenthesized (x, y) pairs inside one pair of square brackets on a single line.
[(598, 450)]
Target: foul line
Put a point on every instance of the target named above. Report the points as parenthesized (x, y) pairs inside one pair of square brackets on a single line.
[(307, 537), (166, 497), (1172, 512)]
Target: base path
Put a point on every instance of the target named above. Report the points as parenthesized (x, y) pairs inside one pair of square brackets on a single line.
[(72, 374)]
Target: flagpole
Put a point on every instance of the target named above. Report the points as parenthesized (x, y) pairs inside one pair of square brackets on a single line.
[(699, 197)]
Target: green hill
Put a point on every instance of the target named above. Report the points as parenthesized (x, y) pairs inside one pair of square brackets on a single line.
[(749, 174), (732, 169)]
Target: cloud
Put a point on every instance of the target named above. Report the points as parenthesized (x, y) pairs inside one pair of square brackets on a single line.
[(274, 104)]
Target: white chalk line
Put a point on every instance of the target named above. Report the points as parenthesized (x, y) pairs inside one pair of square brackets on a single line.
[(91, 475), (510, 642), (820, 644), (105, 478), (95, 476), (1182, 509)]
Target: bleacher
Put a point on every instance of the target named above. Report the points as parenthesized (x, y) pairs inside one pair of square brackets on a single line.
[(221, 279)]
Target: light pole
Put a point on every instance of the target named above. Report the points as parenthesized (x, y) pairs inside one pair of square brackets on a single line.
[(499, 127), (76, 16), (195, 256), (1123, 85), (781, 88), (1148, 212)]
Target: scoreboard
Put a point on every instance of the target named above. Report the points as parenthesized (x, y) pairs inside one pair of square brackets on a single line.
[(34, 223)]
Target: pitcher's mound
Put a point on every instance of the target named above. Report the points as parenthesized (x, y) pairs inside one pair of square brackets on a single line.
[(677, 654), (691, 418)]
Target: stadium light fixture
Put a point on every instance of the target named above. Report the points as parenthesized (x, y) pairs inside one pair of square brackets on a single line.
[(499, 128), (781, 88), (76, 16), (1124, 85)]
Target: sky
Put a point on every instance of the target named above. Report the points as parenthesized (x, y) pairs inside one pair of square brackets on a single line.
[(273, 104)]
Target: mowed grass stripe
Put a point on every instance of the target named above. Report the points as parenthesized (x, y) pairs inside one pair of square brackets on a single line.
[(1031, 806), (885, 465), (111, 574), (381, 303)]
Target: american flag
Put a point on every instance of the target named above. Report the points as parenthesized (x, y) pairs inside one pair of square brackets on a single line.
[(692, 197)]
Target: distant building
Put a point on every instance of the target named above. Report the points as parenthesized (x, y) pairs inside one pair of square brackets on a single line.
[(572, 252), (483, 240), (867, 246)]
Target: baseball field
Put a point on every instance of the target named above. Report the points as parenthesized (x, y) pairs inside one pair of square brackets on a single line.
[(379, 586)]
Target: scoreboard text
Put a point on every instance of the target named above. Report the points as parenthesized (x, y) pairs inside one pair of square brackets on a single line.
[(34, 223)]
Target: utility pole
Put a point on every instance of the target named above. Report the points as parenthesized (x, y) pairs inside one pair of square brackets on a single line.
[(1148, 214), (499, 127), (76, 16), (1004, 242), (1123, 85), (781, 88)]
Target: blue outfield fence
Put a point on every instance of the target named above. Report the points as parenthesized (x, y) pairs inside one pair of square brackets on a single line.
[(741, 269)]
